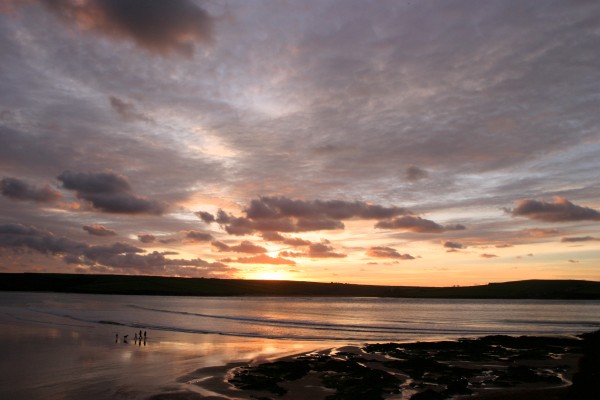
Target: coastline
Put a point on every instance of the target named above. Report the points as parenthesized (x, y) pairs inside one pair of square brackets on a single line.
[(489, 367)]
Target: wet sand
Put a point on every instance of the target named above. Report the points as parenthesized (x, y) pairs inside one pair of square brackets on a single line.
[(86, 362), (491, 367)]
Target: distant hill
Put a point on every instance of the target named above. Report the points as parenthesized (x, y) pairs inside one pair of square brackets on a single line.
[(156, 285)]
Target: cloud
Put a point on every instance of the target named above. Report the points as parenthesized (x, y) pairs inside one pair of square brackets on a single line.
[(322, 250), (205, 216), (290, 241), (561, 210), (98, 230), (16, 189), (579, 239), (315, 250), (454, 245), (198, 236), (281, 214), (127, 110), (109, 192), (539, 232), (280, 207), (414, 173), (573, 261), (387, 252), (159, 26), (260, 259), (116, 256), (146, 238), (485, 255), (416, 224), (244, 247)]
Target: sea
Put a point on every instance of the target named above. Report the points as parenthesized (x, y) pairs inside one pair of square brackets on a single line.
[(68, 346)]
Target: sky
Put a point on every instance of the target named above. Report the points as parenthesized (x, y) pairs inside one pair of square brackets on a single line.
[(408, 142)]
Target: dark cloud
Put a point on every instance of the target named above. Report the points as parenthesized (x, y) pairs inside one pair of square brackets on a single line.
[(573, 261), (98, 230), (244, 247), (485, 255), (323, 250), (414, 173), (205, 216), (281, 207), (198, 236), (290, 241), (416, 224), (127, 110), (155, 25), (146, 238), (260, 259), (16, 189), (387, 252), (281, 214), (116, 256), (561, 210), (109, 192), (579, 239), (315, 250), (454, 245)]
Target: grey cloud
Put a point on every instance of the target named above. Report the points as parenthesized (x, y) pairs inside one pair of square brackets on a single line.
[(127, 110), (244, 247), (281, 214), (574, 239), (260, 259), (290, 241), (109, 192), (98, 230), (120, 256), (146, 238), (315, 250), (454, 245), (387, 252), (322, 250), (414, 173), (17, 189), (198, 236), (416, 224), (280, 207), (561, 210), (205, 216), (155, 25)]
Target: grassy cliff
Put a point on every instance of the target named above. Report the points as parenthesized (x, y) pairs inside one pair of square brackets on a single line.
[(155, 285)]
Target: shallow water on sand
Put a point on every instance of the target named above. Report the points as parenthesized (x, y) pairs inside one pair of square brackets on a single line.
[(62, 346)]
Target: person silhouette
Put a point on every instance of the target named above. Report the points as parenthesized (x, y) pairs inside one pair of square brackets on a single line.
[(116, 338), (125, 338)]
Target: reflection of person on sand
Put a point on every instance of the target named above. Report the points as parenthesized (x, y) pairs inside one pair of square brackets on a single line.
[(125, 338), (135, 337)]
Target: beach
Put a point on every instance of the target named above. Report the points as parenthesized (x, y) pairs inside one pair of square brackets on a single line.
[(492, 367), (65, 346)]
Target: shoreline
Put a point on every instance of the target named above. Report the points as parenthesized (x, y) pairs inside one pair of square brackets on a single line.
[(488, 367)]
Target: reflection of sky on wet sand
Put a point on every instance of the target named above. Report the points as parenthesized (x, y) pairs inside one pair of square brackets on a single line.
[(42, 362)]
